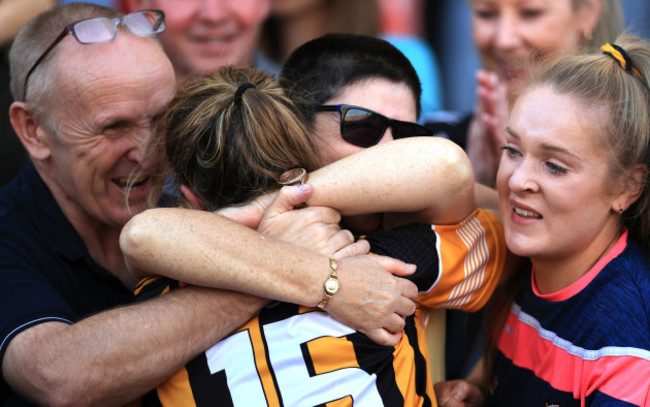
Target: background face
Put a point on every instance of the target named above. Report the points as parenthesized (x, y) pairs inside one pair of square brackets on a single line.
[(513, 36), (393, 100), (203, 35), (555, 198), (105, 114)]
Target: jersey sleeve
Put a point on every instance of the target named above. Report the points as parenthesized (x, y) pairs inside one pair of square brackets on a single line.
[(472, 258), (458, 266), (155, 286), (412, 243)]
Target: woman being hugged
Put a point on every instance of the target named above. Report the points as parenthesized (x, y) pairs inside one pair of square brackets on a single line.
[(573, 192)]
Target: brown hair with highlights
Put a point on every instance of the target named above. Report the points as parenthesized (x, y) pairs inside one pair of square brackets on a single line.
[(230, 146)]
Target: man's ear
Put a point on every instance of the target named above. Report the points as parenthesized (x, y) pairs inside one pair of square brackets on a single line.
[(191, 198), (29, 131)]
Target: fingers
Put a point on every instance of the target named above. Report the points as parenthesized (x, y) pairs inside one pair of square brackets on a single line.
[(354, 249), (486, 79), (247, 215), (384, 337), (394, 323), (288, 198), (394, 266), (467, 392), (458, 393), (316, 228), (334, 242), (405, 305), (321, 214)]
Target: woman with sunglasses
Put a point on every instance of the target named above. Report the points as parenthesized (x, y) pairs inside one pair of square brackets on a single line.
[(335, 81), (229, 137)]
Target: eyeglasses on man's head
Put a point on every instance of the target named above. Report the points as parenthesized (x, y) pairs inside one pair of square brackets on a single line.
[(97, 30)]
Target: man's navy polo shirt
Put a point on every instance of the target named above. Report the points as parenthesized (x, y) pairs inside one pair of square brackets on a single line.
[(46, 272)]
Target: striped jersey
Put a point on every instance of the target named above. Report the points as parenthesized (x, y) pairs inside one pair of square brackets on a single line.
[(291, 355), (585, 345)]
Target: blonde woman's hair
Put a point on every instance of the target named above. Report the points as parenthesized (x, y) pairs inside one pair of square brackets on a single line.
[(597, 78), (610, 24), (229, 136)]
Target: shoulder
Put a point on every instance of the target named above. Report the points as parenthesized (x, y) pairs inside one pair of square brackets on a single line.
[(630, 274)]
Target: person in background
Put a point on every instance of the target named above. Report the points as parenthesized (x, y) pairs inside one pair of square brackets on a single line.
[(86, 96), (573, 331), (204, 35), (293, 23), (512, 39)]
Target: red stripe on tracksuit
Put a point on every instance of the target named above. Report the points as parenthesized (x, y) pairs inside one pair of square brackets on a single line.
[(621, 373)]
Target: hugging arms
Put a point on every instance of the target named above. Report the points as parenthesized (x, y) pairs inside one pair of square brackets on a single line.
[(418, 180)]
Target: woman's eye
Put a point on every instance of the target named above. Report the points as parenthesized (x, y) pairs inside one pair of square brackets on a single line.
[(555, 169), (510, 151), (531, 13), (485, 14)]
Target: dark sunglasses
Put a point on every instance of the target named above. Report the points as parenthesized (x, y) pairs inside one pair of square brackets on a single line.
[(364, 128), (97, 30)]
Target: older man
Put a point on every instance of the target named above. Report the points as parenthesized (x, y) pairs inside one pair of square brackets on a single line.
[(85, 102), (203, 35)]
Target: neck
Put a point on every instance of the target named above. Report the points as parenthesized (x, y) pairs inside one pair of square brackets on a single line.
[(556, 273), (102, 240)]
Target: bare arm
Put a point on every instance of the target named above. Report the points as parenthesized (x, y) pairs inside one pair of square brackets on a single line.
[(205, 249), (433, 173), (427, 179), (116, 356)]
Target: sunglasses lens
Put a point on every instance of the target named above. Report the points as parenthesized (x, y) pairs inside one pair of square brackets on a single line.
[(94, 31), (145, 23), (361, 127), (406, 129)]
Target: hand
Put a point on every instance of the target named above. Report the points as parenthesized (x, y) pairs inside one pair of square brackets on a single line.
[(458, 393), (315, 228), (487, 130), (249, 214), (371, 299)]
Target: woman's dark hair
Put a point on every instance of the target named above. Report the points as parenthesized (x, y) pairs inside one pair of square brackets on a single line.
[(319, 69)]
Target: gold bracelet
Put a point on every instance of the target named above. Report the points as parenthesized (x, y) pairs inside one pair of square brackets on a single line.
[(331, 285)]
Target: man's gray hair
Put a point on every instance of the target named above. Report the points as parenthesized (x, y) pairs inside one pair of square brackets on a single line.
[(33, 39)]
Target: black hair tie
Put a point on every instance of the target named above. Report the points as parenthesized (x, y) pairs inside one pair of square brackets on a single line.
[(241, 89)]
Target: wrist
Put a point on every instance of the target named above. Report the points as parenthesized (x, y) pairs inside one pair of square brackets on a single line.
[(331, 285)]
